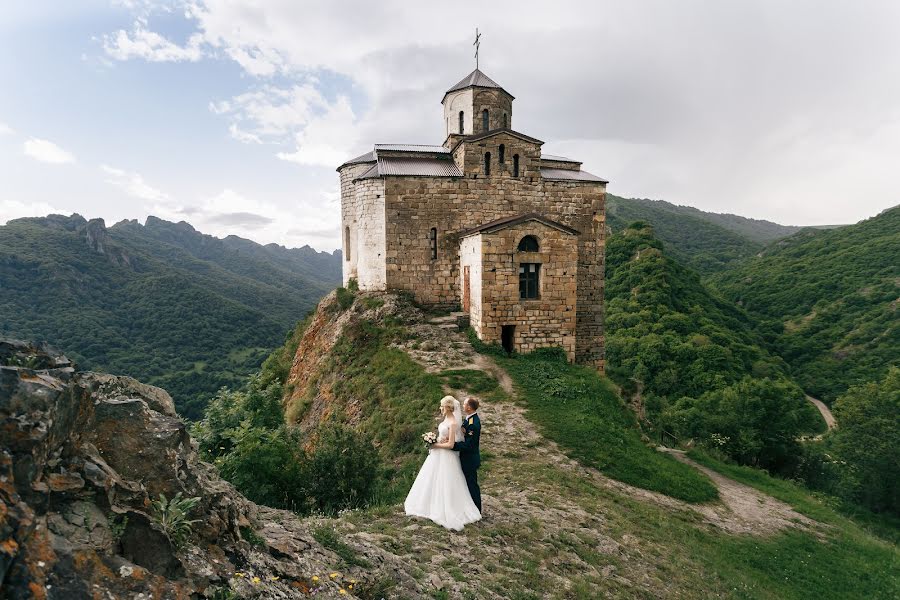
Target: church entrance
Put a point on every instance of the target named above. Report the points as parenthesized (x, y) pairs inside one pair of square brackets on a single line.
[(508, 338)]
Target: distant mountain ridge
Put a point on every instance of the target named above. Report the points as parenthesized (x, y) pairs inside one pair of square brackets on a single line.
[(161, 301), (704, 241)]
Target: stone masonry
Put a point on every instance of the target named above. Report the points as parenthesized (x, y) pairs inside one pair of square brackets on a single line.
[(405, 210)]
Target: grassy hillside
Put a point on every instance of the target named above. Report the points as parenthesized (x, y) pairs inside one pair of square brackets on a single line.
[(160, 302), (829, 300), (555, 527)]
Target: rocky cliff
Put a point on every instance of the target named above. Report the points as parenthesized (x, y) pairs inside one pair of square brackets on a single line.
[(82, 457)]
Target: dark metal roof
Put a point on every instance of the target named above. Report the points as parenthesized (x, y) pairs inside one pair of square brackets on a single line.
[(558, 158), (370, 173), (411, 148), (362, 158), (412, 166), (476, 79), (567, 175), (505, 222)]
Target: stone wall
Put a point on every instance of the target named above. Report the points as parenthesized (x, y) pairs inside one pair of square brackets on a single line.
[(455, 102), (414, 205), (363, 228), (470, 256), (497, 102), (549, 320)]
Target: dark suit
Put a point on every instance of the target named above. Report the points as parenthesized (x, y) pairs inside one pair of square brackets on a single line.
[(469, 455)]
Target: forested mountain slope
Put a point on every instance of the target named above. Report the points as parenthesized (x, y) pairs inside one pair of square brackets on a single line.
[(675, 344), (160, 302), (693, 241), (830, 299)]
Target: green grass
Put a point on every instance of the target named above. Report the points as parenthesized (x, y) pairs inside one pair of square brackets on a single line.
[(850, 562), (580, 410), (477, 383), (821, 507), (328, 537)]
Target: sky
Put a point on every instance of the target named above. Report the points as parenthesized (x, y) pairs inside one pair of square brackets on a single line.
[(233, 115)]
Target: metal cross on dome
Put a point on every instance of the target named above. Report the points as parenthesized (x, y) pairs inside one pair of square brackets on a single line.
[(477, 44)]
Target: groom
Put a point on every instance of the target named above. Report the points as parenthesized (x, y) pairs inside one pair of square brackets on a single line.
[(469, 457)]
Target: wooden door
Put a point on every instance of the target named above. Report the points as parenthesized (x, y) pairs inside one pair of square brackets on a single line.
[(467, 302)]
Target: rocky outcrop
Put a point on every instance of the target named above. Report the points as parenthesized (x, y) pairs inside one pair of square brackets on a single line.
[(82, 456), (97, 238)]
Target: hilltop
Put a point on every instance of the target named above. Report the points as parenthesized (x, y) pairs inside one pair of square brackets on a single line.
[(161, 301)]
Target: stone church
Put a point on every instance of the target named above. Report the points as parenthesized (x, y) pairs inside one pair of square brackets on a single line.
[(485, 222)]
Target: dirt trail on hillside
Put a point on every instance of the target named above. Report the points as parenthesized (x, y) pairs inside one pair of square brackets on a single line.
[(824, 410), (742, 509)]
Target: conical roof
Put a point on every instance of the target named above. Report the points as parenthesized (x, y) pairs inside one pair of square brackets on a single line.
[(476, 79)]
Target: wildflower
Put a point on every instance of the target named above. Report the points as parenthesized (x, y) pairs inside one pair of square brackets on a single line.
[(342, 591), (315, 578), (333, 575), (256, 580), (238, 574), (275, 578)]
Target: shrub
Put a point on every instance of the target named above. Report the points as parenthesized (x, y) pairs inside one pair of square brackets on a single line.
[(172, 517), (342, 469), (754, 422)]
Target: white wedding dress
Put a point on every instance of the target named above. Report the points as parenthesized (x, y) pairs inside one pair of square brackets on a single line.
[(439, 492)]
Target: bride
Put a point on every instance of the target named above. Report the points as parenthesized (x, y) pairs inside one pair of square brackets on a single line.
[(439, 492)]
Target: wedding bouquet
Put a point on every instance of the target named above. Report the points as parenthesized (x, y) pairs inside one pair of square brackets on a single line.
[(429, 438)]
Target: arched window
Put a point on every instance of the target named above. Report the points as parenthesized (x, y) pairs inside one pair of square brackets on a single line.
[(462, 121), (505, 121), (346, 243), (528, 243), (432, 239), (502, 156), (515, 165), (487, 164), (484, 119)]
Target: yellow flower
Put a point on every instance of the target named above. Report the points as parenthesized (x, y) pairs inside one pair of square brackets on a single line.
[(333, 575), (274, 578), (350, 587), (315, 578), (238, 574), (256, 580), (342, 591)]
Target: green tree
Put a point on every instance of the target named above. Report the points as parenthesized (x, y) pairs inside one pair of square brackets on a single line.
[(867, 439), (753, 421)]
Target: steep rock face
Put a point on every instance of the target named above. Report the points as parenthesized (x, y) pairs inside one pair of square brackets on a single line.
[(81, 457)]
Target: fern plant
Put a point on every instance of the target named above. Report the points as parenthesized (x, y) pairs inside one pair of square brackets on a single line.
[(172, 517)]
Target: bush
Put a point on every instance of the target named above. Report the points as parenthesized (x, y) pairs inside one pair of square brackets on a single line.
[(342, 470), (754, 422)]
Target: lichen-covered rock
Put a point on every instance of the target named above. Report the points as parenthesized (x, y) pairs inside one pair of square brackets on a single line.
[(83, 456)]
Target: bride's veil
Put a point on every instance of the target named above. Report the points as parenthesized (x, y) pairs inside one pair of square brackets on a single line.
[(457, 414)]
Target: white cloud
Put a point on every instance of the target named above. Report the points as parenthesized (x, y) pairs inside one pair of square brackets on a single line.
[(5, 129), (46, 151), (142, 43), (14, 209), (132, 183), (756, 126)]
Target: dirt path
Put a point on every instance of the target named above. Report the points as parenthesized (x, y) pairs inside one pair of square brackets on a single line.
[(747, 509), (826, 412)]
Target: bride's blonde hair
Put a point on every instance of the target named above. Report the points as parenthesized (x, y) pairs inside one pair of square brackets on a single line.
[(447, 404)]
